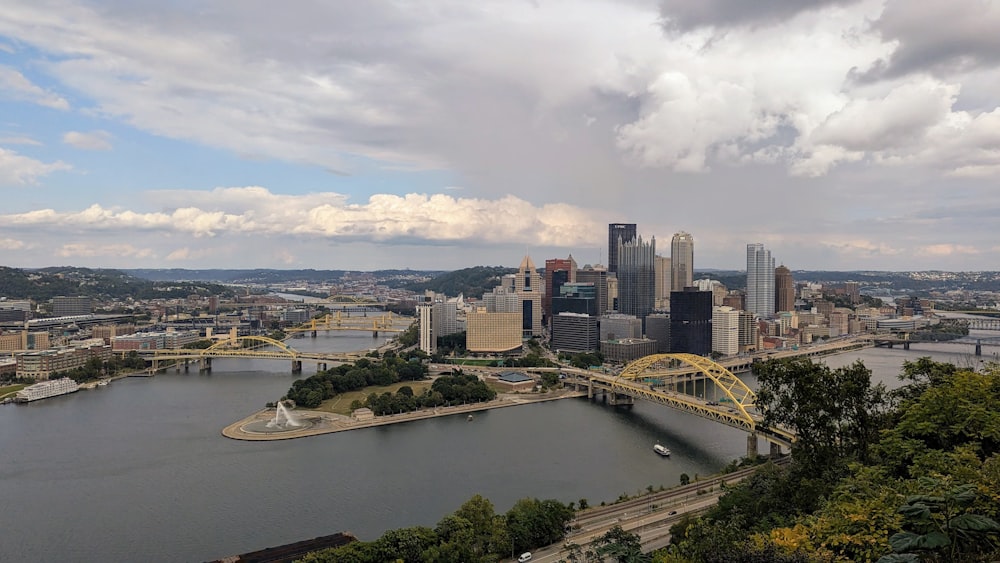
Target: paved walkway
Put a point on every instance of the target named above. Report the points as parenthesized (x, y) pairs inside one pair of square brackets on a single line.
[(326, 423)]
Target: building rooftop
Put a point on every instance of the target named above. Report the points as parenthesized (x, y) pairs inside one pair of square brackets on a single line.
[(513, 377)]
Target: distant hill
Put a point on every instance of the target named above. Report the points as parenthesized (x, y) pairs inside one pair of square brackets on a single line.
[(471, 282), (264, 276), (46, 283)]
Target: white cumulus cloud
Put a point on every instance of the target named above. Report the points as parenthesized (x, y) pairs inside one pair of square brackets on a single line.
[(89, 141), (19, 170)]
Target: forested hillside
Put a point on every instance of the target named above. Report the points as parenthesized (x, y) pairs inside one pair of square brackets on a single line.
[(46, 283), (471, 282)]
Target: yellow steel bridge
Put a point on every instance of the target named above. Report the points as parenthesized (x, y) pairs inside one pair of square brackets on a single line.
[(656, 378), (253, 347), (338, 321)]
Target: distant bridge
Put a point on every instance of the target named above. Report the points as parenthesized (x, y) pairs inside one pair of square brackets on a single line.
[(338, 321), (254, 347)]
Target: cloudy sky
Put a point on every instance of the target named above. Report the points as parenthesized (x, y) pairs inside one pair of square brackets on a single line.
[(363, 135)]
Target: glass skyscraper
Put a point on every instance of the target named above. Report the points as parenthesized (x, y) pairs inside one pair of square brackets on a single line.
[(760, 280)]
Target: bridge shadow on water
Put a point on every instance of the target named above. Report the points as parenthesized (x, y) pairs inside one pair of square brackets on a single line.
[(688, 436)]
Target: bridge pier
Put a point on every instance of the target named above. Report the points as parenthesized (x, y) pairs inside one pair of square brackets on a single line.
[(618, 399), (752, 445), (979, 347), (775, 450), (906, 345), (374, 334), (205, 365), (314, 334), (186, 366), (296, 366), (320, 366), (590, 389)]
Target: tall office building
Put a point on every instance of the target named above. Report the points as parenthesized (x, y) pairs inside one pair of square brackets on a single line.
[(528, 284), (69, 306), (437, 319), (557, 272), (658, 329), (691, 321), (760, 280), (618, 233), (662, 291), (725, 331), (681, 261), (574, 332), (784, 289), (636, 277), (598, 276)]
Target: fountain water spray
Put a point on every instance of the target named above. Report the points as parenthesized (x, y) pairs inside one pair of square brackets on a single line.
[(283, 418)]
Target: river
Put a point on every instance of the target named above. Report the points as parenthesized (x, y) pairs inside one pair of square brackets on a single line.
[(139, 471)]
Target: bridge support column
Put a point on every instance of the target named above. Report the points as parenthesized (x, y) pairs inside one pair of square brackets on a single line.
[(752, 445), (590, 389), (906, 345), (619, 399), (155, 366), (775, 450), (374, 334), (186, 366), (205, 365), (979, 347), (314, 334), (296, 366)]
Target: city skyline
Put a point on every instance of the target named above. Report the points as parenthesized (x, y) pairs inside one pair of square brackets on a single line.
[(440, 136)]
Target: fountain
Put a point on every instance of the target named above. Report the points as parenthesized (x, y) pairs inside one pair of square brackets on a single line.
[(283, 418), (283, 421)]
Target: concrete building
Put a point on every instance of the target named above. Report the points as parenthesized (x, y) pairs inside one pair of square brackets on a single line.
[(681, 261), (43, 364), (558, 271), (718, 289), (576, 298), (68, 306), (636, 277), (492, 333), (784, 289), (574, 332), (725, 331), (437, 319), (760, 280), (618, 233), (598, 276), (618, 326), (691, 321), (528, 284), (661, 291), (749, 338), (627, 350), (168, 340), (658, 329)]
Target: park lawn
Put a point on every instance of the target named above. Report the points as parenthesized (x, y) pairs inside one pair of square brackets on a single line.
[(11, 389), (341, 404)]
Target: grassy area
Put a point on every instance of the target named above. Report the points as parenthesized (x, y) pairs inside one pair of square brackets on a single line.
[(11, 389), (341, 404)]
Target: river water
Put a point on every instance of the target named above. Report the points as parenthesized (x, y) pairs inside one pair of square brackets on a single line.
[(138, 470)]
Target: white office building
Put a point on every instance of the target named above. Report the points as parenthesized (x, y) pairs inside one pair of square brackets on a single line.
[(760, 281), (725, 331)]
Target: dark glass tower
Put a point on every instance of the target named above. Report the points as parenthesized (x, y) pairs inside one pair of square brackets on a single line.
[(636, 277), (691, 321), (623, 232)]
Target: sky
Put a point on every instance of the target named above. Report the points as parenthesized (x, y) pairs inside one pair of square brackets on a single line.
[(844, 135)]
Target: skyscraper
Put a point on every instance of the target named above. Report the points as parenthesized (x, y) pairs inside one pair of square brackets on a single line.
[(599, 277), (557, 272), (662, 291), (691, 321), (529, 285), (784, 289), (624, 232), (636, 277), (760, 280), (681, 261)]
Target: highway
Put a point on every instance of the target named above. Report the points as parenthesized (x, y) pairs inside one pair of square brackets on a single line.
[(650, 516)]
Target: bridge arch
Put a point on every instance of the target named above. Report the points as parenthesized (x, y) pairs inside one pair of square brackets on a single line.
[(743, 398), (238, 342)]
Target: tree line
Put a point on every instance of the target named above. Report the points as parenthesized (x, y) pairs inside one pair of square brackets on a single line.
[(474, 533), (447, 390), (315, 389), (904, 476)]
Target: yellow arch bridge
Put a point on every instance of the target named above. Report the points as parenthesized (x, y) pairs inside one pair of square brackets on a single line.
[(692, 384), (381, 323), (254, 347)]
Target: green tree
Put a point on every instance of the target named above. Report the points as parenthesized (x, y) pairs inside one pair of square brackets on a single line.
[(621, 546)]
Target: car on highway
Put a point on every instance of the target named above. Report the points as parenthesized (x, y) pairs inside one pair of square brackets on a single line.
[(526, 556)]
